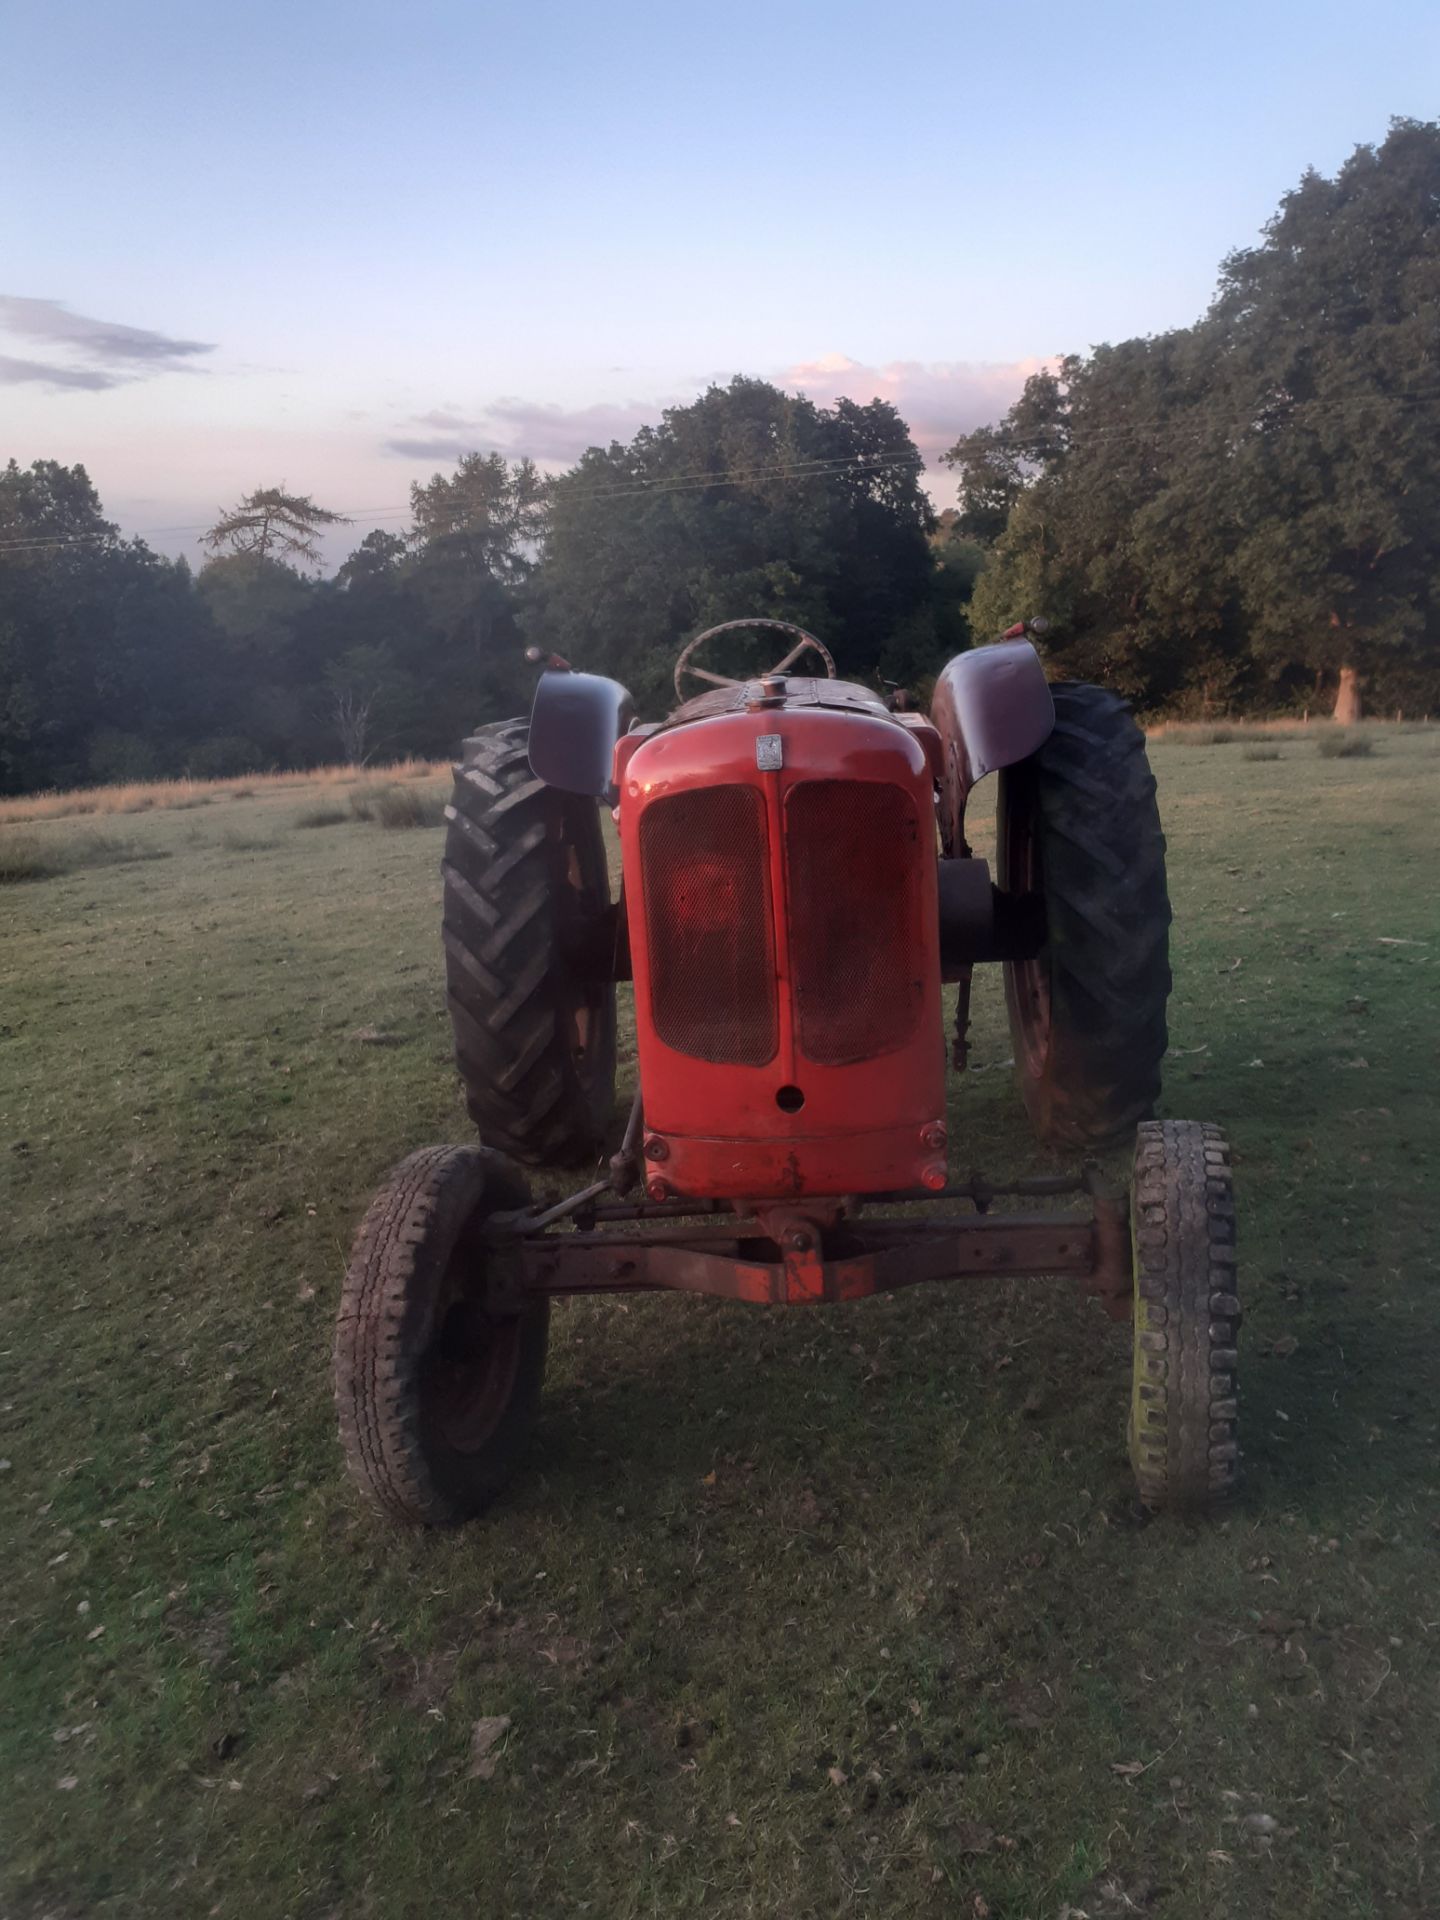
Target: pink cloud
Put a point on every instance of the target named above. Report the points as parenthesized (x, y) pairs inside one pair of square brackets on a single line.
[(937, 399), (563, 433), (550, 434)]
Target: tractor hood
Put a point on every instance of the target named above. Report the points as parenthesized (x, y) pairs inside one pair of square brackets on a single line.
[(779, 691)]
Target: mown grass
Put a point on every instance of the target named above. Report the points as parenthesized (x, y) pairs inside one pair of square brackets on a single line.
[(791, 1614)]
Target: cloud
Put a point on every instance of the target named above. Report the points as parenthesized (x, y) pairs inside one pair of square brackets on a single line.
[(563, 433), (445, 417), (406, 449), (937, 399), (115, 353), (106, 341), (553, 435), (15, 373)]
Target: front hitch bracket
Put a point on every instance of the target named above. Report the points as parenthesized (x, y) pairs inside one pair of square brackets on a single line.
[(793, 1255)]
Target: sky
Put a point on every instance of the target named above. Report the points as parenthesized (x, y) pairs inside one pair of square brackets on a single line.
[(336, 246)]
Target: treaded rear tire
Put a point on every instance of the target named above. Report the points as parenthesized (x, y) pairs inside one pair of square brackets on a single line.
[(1078, 823), (525, 873), (430, 1434), (1184, 1424)]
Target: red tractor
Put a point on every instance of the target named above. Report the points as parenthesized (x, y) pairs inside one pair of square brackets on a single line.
[(797, 889)]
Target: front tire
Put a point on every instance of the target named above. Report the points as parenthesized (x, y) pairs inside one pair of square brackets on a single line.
[(435, 1392), (1184, 1426), (1078, 824)]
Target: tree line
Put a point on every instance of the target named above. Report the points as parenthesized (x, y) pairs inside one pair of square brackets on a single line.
[(1245, 513), (1236, 515), (117, 663)]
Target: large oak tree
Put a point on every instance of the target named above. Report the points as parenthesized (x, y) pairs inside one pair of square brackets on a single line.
[(749, 501)]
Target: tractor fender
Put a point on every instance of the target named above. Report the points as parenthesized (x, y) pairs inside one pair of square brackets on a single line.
[(574, 725), (991, 707)]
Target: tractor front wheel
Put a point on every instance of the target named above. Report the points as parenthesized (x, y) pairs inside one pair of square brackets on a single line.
[(435, 1391), (1184, 1443), (1078, 826)]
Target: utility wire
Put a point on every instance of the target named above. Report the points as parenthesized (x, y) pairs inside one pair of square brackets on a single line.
[(696, 482), (1059, 435)]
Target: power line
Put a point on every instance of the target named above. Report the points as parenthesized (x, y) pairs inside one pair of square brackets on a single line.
[(701, 480), (698, 481), (1280, 408)]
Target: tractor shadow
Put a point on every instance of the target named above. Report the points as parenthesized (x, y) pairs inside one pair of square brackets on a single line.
[(966, 1377), (1337, 1407), (1333, 1177)]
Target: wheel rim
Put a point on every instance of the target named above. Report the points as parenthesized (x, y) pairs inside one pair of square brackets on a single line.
[(1027, 982), (468, 1373)]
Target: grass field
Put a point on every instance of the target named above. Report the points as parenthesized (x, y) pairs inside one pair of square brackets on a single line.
[(792, 1614)]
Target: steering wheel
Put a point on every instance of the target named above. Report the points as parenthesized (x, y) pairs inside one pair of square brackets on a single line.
[(805, 643)]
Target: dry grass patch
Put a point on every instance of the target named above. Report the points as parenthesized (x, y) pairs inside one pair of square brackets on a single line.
[(404, 807), (143, 796), (1187, 734), (24, 857), (1207, 733)]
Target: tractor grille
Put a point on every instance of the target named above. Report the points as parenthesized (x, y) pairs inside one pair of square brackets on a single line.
[(851, 861), (705, 872)]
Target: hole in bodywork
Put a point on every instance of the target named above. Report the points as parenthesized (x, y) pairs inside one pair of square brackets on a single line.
[(790, 1099)]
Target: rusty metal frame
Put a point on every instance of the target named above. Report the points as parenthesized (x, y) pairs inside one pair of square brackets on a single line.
[(783, 1257)]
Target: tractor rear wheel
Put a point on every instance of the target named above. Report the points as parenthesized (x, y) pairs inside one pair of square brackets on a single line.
[(527, 891), (435, 1392), (1078, 825), (1184, 1443)]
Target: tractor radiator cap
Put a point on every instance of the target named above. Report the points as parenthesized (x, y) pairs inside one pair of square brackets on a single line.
[(768, 691)]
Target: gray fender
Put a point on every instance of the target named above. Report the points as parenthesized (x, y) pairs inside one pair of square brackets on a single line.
[(574, 725), (992, 707)]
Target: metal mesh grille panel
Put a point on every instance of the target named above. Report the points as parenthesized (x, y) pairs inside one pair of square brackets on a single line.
[(705, 874), (851, 862)]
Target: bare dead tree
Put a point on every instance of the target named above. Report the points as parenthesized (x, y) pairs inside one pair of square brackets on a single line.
[(351, 716), (270, 520)]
